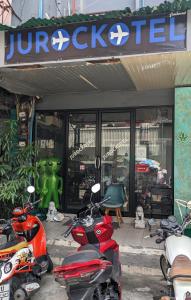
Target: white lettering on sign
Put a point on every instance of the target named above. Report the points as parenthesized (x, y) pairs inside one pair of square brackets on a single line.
[(117, 146), (84, 146)]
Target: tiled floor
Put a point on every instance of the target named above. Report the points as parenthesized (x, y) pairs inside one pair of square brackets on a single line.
[(127, 234)]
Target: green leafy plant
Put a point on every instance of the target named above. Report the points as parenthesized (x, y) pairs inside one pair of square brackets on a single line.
[(16, 168)]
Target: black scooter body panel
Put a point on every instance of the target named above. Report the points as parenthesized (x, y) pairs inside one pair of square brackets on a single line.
[(81, 294), (86, 291)]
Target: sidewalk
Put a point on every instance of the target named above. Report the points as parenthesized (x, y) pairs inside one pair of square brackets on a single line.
[(138, 254)]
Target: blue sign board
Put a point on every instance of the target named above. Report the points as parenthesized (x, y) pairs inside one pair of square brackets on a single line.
[(106, 38)]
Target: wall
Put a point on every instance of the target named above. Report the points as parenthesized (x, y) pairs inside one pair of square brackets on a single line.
[(27, 9), (182, 148), (110, 99), (154, 2), (5, 16)]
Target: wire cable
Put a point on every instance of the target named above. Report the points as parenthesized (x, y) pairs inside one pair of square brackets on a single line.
[(58, 8), (23, 4), (13, 11)]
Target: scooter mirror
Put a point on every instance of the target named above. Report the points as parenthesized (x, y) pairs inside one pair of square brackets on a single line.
[(96, 188), (189, 204), (30, 189)]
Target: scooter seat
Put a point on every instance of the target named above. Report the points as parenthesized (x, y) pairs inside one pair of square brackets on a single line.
[(13, 246), (181, 268), (81, 256)]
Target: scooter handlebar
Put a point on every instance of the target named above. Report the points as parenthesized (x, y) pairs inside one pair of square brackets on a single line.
[(30, 205), (99, 204), (68, 231)]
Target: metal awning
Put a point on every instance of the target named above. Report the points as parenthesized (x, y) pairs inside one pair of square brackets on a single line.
[(145, 72)]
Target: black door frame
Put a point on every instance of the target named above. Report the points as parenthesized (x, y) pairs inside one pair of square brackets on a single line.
[(98, 112)]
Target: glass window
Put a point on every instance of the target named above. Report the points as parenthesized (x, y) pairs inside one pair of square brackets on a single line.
[(49, 134), (153, 169)]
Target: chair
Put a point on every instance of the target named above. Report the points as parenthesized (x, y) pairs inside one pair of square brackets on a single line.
[(117, 196)]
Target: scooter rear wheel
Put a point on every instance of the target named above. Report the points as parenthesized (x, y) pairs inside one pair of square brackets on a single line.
[(20, 295), (115, 294), (164, 264)]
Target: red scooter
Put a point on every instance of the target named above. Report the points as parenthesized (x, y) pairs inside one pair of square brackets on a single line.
[(94, 271)]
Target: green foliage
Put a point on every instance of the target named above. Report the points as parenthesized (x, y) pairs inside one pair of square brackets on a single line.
[(177, 6), (16, 168), (167, 7)]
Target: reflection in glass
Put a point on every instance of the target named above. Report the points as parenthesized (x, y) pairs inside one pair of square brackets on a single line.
[(81, 159), (153, 169), (49, 134), (115, 153)]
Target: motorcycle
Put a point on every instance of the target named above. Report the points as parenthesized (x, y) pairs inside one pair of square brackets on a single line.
[(24, 258), (94, 271), (176, 262)]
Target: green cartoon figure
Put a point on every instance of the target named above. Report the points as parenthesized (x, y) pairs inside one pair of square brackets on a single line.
[(49, 184), (54, 182), (41, 181)]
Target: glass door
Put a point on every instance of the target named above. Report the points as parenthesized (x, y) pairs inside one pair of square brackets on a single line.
[(82, 164), (115, 154)]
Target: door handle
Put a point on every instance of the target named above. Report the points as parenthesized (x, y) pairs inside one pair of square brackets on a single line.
[(98, 162)]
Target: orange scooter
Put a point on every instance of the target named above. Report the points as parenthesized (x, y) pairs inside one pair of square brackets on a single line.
[(24, 258), (28, 231)]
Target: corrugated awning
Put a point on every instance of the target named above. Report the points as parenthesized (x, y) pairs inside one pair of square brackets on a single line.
[(145, 72)]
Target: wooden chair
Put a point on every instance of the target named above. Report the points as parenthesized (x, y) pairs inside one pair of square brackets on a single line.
[(116, 195), (117, 212)]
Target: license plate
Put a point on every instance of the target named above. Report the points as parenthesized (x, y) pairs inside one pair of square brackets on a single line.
[(4, 291)]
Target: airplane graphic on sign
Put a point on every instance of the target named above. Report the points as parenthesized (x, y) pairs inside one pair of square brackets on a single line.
[(119, 34), (60, 40)]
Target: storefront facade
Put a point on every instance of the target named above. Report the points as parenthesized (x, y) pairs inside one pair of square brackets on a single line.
[(131, 146), (107, 111)]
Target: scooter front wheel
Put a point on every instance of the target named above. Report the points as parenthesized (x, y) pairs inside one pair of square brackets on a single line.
[(50, 264), (164, 264)]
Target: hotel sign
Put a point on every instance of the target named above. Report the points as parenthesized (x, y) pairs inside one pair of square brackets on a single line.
[(97, 39)]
